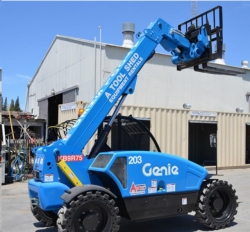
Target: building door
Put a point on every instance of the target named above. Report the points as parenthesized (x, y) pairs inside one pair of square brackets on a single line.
[(69, 96), (53, 103), (199, 149)]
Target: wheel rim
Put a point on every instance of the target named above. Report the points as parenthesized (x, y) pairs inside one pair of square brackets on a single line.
[(220, 205), (90, 217)]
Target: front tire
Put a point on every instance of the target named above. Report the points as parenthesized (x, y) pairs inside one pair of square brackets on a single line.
[(217, 204), (91, 211), (47, 218)]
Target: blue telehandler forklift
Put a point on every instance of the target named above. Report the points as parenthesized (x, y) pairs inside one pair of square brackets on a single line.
[(79, 192)]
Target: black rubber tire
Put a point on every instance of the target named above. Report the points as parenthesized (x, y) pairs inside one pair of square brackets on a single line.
[(47, 218), (90, 211), (217, 204), (12, 159)]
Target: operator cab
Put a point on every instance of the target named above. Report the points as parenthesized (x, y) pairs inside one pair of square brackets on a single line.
[(127, 133)]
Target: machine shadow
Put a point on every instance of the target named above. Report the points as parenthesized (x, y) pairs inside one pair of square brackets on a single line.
[(185, 223)]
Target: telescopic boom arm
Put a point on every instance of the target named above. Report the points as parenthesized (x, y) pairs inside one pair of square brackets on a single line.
[(122, 80)]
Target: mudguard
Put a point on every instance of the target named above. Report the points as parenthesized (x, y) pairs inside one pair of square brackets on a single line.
[(72, 193)]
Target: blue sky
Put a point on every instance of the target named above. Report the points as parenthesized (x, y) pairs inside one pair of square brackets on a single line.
[(27, 30)]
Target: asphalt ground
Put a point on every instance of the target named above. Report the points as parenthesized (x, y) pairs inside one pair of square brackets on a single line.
[(16, 215)]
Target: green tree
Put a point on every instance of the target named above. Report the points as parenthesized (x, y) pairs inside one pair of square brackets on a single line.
[(12, 105), (2, 101), (17, 105), (5, 104)]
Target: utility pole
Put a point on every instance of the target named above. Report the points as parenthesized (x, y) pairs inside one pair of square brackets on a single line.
[(95, 70), (194, 8), (100, 28)]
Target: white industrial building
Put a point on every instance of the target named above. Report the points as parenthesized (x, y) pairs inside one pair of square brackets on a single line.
[(1, 94), (73, 70), (1, 103)]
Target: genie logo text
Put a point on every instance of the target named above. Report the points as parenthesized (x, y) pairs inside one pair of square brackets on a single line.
[(148, 170)]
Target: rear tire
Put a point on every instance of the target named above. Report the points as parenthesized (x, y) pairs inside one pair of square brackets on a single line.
[(217, 204), (89, 212), (47, 218)]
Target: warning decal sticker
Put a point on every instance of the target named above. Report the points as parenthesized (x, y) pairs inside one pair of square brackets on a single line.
[(184, 201), (48, 178), (170, 187), (152, 189), (137, 189)]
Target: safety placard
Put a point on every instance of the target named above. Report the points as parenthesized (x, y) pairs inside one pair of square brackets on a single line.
[(137, 189), (48, 177), (152, 189), (170, 187), (184, 201), (154, 183)]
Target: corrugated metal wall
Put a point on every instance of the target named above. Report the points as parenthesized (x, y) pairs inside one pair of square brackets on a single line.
[(1, 95), (232, 139), (71, 62), (160, 85), (69, 110), (66, 65), (43, 109), (170, 128)]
